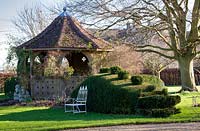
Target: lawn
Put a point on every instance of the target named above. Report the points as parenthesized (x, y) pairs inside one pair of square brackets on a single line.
[(174, 89), (44, 118)]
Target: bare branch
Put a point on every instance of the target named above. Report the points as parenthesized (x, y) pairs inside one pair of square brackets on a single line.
[(195, 22), (155, 47), (157, 52)]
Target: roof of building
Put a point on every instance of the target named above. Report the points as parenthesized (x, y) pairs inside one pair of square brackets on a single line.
[(66, 33)]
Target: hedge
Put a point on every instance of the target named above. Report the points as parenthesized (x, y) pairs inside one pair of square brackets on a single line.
[(158, 101), (158, 112), (149, 88), (104, 97), (158, 105), (144, 93), (123, 75), (152, 80), (115, 69), (9, 86), (104, 70), (136, 80)]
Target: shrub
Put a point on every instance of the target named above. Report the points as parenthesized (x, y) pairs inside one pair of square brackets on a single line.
[(115, 69), (123, 75), (136, 80), (149, 88), (158, 105), (157, 101), (9, 86), (158, 112), (153, 92), (164, 91), (152, 80), (104, 70), (104, 97)]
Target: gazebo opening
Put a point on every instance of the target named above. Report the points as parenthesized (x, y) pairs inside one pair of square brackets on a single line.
[(80, 63)]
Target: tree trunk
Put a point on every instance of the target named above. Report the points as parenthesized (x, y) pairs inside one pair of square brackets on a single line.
[(187, 74), (158, 74)]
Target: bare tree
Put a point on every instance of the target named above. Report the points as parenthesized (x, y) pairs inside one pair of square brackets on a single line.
[(176, 17), (156, 63), (128, 61), (29, 22)]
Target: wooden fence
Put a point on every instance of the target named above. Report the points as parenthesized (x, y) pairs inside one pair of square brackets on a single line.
[(51, 88), (173, 77)]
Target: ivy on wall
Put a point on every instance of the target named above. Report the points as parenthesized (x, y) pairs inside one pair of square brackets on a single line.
[(23, 66)]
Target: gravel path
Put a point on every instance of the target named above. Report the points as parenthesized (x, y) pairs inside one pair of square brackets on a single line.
[(193, 126)]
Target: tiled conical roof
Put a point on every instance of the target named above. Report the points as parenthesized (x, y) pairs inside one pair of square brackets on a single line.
[(66, 33)]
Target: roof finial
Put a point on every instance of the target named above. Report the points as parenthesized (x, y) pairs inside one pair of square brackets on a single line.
[(64, 9), (64, 12)]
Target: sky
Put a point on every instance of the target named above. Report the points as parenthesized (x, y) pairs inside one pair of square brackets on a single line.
[(8, 10)]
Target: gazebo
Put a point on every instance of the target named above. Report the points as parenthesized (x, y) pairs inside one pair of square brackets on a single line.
[(63, 43)]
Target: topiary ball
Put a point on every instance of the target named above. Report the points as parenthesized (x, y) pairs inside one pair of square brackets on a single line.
[(115, 69), (136, 80), (122, 75)]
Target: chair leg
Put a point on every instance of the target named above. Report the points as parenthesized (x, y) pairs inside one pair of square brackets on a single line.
[(78, 109), (73, 109)]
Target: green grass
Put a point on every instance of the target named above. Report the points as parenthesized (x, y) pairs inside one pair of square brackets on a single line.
[(44, 118), (174, 89)]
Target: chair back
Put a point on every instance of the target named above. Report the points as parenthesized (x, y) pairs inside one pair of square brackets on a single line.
[(82, 94)]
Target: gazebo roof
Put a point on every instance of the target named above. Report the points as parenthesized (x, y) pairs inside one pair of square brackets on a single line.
[(66, 33)]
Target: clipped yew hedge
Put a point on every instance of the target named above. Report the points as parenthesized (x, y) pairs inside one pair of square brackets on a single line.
[(115, 69), (122, 75), (104, 97), (164, 112), (9, 86), (136, 80), (104, 70), (158, 101), (152, 80), (158, 105)]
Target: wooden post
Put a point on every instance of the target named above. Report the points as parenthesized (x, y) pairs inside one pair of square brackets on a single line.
[(30, 73), (31, 66)]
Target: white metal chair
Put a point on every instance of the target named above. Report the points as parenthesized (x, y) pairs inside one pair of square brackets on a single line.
[(77, 105)]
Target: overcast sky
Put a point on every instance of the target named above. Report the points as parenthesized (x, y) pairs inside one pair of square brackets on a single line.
[(8, 10)]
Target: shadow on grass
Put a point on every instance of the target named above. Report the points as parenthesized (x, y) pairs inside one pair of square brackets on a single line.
[(57, 114), (125, 84), (113, 79), (102, 74)]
